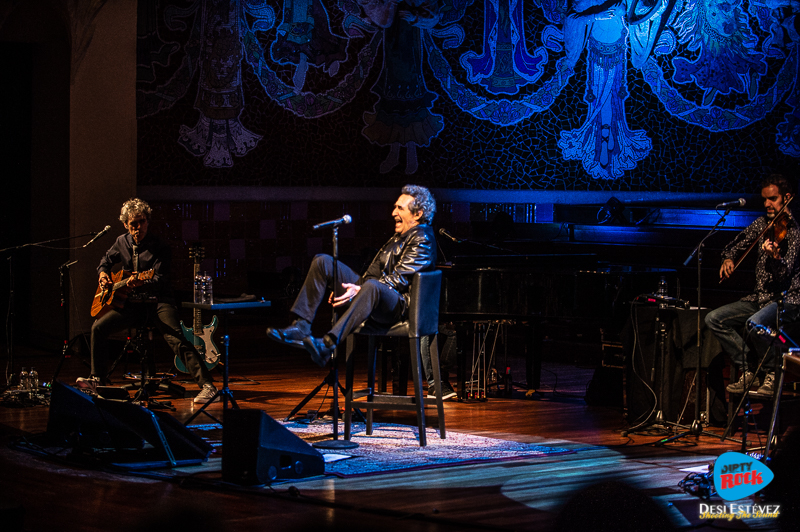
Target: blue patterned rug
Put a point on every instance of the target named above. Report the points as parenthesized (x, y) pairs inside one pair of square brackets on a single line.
[(395, 447)]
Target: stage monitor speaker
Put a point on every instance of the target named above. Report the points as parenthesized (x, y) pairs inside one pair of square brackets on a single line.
[(256, 449), (168, 437), (120, 429), (75, 420)]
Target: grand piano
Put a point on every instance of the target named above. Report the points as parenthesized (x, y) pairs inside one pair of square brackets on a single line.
[(532, 289)]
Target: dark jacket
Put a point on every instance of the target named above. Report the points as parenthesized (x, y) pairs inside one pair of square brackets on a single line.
[(154, 254), (403, 256)]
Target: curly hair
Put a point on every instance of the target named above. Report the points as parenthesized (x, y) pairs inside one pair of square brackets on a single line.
[(134, 207), (423, 201), (785, 186)]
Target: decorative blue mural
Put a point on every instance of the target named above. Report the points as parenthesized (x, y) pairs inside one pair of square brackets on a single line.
[(631, 94)]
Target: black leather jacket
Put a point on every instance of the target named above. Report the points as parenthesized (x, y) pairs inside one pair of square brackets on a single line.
[(403, 256)]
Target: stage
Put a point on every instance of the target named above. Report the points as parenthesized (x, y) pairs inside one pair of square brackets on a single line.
[(524, 493)]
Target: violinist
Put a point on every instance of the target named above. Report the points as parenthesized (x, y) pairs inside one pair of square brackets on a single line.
[(777, 276)]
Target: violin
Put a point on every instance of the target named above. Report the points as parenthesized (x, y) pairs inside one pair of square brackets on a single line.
[(775, 231)]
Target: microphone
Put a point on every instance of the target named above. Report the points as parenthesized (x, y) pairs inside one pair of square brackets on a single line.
[(444, 233), (761, 330), (728, 204), (105, 230), (346, 219)]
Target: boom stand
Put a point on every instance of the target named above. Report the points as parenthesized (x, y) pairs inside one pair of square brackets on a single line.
[(332, 379), (63, 275), (10, 321), (696, 429)]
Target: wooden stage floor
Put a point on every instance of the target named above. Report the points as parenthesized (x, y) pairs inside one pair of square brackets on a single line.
[(517, 495)]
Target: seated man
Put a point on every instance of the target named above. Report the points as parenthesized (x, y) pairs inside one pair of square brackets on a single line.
[(140, 251), (380, 294), (777, 277)]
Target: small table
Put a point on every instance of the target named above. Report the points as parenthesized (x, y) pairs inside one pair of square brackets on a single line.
[(226, 308)]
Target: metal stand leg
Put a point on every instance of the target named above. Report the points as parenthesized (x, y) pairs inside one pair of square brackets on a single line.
[(776, 403), (224, 392)]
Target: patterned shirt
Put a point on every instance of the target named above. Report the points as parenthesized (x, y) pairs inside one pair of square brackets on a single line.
[(773, 276)]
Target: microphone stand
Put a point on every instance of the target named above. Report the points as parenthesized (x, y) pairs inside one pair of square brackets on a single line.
[(63, 275), (11, 300), (696, 428), (332, 379), (335, 443)]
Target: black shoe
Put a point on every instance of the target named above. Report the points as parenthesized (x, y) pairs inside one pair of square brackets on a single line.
[(320, 349), (447, 392), (292, 335)]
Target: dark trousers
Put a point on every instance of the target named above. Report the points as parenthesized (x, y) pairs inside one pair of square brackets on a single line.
[(728, 320), (375, 300), (164, 317)]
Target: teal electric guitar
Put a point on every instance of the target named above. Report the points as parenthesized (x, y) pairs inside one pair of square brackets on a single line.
[(201, 336)]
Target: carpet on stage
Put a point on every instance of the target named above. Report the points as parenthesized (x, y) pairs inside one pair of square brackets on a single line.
[(396, 447)]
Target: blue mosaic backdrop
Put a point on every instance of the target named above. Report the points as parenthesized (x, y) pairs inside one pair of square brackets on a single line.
[(650, 95)]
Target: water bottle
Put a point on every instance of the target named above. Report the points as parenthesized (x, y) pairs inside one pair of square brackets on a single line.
[(198, 288), (24, 380), (34, 380), (208, 290)]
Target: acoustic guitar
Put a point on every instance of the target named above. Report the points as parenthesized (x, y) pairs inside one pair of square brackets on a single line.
[(201, 336), (115, 296)]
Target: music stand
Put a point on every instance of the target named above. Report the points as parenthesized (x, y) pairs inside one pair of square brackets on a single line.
[(225, 308)]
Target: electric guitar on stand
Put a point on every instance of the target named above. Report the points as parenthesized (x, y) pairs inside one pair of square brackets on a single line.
[(201, 336)]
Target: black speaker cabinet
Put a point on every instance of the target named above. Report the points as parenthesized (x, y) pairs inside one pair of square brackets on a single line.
[(75, 420), (120, 429), (170, 440), (256, 449)]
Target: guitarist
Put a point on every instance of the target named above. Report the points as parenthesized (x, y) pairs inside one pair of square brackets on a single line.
[(138, 250)]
